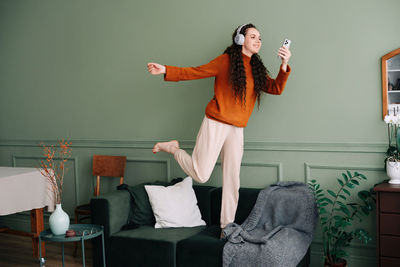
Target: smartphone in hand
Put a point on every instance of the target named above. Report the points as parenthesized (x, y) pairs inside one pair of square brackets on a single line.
[(286, 43)]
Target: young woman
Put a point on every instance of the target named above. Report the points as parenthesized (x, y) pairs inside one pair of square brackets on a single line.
[(240, 78)]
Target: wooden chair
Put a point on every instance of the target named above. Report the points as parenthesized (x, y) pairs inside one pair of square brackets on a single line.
[(108, 166)]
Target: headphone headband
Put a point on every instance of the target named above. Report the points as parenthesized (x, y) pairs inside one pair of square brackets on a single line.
[(240, 28)]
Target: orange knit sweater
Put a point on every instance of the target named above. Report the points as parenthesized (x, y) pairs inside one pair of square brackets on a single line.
[(224, 107)]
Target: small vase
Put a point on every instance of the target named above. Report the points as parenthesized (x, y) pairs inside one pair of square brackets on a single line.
[(393, 171), (59, 221)]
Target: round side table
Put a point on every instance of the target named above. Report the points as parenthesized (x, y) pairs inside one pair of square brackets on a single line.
[(83, 232)]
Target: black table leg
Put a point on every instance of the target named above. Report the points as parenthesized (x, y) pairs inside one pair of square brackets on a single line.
[(104, 253), (83, 252)]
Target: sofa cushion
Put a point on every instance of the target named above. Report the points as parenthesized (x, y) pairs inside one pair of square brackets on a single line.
[(147, 246), (175, 205), (141, 209), (202, 249), (247, 199)]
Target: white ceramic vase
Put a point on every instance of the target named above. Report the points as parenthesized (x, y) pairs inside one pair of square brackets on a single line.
[(393, 171), (59, 221)]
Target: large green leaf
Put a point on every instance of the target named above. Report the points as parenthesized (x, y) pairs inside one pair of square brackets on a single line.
[(342, 196), (331, 193), (346, 191), (341, 204), (363, 176), (327, 200), (354, 181), (345, 177), (350, 185), (340, 181)]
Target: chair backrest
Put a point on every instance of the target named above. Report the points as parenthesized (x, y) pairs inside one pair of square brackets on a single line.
[(112, 166)]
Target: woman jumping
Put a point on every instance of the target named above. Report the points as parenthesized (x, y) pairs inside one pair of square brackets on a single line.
[(240, 78)]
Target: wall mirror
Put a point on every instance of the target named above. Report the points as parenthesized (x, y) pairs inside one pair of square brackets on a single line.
[(391, 83)]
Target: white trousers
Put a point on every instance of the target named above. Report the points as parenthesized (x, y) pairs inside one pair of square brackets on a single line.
[(215, 137)]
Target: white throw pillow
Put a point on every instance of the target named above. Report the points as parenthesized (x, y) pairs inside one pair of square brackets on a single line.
[(175, 205)]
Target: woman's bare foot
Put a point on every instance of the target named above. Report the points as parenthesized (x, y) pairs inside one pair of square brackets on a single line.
[(169, 147)]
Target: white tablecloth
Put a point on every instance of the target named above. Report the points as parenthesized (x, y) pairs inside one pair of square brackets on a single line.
[(23, 189)]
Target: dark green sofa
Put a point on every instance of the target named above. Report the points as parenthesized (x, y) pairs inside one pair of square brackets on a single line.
[(181, 247)]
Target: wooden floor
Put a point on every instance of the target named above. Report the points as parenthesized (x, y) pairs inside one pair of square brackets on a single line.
[(17, 251)]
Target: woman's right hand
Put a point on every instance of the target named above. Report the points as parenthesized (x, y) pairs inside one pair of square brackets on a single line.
[(155, 68)]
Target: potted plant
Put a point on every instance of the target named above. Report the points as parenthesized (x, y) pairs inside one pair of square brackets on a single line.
[(392, 160), (54, 169), (337, 216)]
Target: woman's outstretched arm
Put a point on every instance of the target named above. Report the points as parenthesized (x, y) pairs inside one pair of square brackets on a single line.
[(172, 73)]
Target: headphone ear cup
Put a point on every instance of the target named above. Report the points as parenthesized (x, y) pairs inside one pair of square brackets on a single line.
[(240, 39)]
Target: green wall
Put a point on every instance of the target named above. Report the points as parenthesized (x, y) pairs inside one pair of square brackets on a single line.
[(77, 69)]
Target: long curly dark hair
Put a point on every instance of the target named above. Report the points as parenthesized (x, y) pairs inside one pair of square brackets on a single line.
[(237, 72)]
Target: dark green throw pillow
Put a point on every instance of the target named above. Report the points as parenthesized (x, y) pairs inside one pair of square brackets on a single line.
[(142, 213)]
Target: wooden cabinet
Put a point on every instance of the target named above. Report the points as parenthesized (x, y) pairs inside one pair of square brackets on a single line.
[(388, 225), (391, 83)]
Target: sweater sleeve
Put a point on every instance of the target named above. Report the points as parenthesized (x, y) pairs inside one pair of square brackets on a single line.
[(277, 85), (210, 69)]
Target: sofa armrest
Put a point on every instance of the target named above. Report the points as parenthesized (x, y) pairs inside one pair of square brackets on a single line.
[(111, 210)]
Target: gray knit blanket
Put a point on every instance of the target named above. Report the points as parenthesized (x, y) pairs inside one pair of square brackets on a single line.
[(278, 231)]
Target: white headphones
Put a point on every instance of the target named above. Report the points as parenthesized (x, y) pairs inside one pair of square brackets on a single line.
[(239, 38)]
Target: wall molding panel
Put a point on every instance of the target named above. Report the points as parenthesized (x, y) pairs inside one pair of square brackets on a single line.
[(277, 166), (309, 166), (167, 162)]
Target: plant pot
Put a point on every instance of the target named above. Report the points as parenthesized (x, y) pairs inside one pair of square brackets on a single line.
[(393, 171), (59, 221), (341, 264)]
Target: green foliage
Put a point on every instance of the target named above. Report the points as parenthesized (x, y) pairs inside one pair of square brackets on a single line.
[(336, 216)]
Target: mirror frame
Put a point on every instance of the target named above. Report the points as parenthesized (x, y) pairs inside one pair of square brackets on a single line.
[(385, 80)]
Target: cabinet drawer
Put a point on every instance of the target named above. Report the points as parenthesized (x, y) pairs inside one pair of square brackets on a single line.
[(390, 262), (389, 202), (389, 224), (389, 246)]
